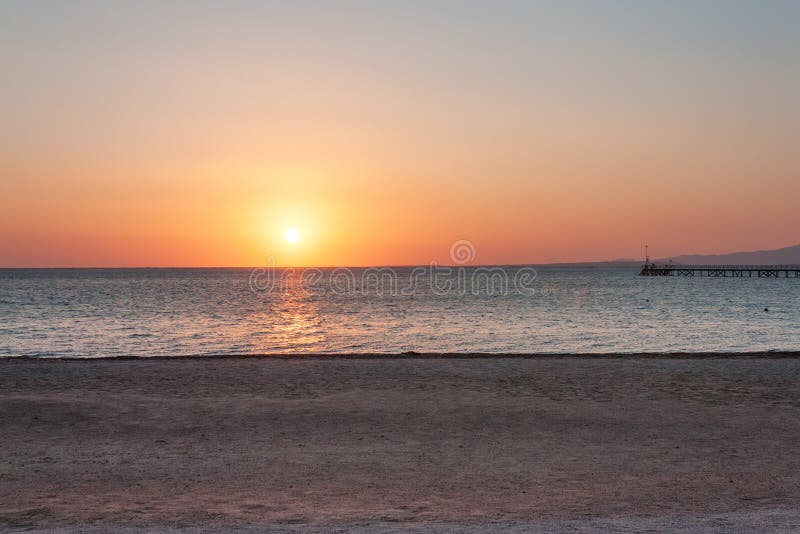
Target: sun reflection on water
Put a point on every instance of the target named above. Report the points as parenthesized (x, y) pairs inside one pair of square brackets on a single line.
[(291, 321)]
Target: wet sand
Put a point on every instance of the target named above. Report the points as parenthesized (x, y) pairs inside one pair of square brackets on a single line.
[(413, 443)]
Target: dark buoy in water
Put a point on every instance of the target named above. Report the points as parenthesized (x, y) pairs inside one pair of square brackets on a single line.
[(766, 309)]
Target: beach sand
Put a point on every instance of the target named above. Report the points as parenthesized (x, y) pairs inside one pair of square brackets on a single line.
[(401, 443)]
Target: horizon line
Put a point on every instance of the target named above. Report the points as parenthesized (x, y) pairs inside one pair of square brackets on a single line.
[(622, 262)]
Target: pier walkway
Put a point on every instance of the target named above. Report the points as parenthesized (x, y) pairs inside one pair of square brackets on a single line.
[(722, 271)]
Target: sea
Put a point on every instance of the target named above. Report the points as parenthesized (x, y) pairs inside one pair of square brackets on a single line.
[(91, 313)]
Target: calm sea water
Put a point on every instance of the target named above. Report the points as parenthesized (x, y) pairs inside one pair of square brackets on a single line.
[(165, 312)]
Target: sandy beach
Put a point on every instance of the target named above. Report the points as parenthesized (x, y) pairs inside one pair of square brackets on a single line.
[(401, 443)]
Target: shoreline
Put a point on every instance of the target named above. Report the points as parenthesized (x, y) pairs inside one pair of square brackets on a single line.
[(412, 355)]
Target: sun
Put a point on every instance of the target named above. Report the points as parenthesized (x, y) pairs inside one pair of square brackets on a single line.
[(292, 235)]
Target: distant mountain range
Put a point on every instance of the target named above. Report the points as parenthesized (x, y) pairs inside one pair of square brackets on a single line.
[(781, 256)]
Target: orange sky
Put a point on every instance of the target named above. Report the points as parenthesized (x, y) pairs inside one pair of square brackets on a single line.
[(183, 136)]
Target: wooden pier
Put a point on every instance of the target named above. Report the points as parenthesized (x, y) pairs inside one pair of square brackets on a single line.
[(722, 271)]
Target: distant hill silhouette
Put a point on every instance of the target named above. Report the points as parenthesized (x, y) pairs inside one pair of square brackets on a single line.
[(781, 256)]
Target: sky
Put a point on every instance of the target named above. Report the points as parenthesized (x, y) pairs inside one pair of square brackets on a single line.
[(168, 133)]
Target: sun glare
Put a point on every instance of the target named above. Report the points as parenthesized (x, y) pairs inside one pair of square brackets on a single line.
[(292, 235)]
